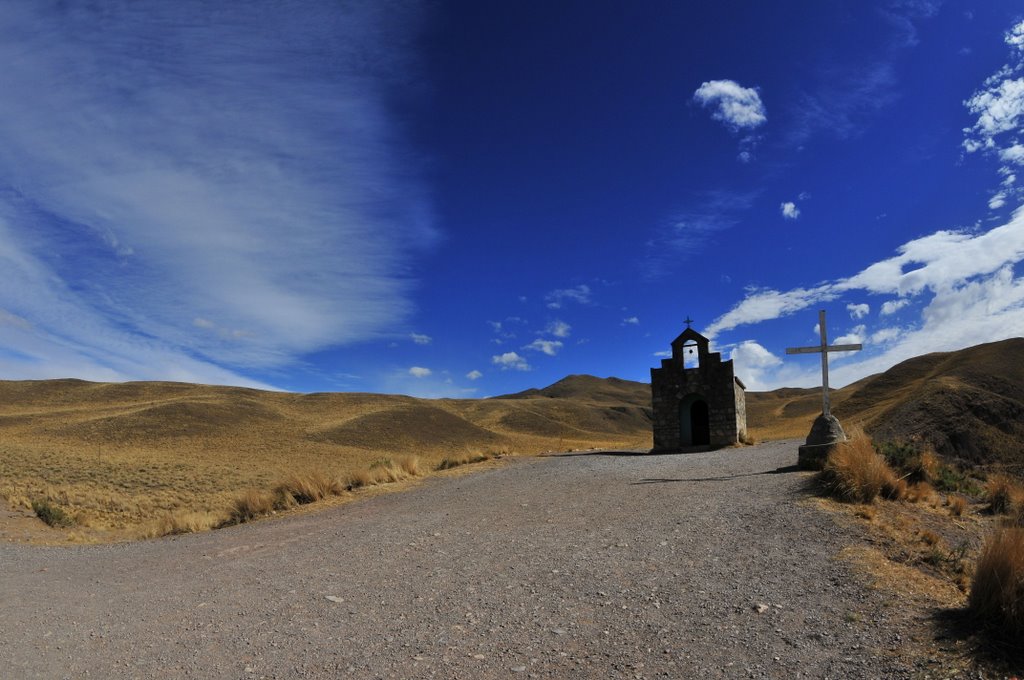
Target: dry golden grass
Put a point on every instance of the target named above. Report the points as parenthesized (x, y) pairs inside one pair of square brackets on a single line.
[(854, 472), (251, 504), (923, 467), (308, 487), (920, 493), (997, 592), (182, 522), (957, 504), (1002, 494), (120, 458)]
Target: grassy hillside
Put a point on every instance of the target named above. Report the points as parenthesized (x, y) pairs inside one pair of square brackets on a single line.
[(117, 456)]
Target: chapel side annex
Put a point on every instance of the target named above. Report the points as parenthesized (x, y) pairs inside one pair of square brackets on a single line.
[(699, 407)]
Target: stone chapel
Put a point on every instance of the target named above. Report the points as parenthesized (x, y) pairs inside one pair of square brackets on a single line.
[(701, 406)]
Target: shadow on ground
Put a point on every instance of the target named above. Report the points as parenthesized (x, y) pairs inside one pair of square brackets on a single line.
[(995, 648), (724, 478)]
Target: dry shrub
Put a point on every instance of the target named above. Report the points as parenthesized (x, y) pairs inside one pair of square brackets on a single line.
[(919, 493), (250, 505), (923, 467), (1001, 493), (308, 487), (52, 514), (957, 505), (855, 473), (997, 592)]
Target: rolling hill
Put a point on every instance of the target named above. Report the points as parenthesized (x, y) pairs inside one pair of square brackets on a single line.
[(121, 454)]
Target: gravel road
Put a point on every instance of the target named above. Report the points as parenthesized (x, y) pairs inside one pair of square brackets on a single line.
[(578, 566)]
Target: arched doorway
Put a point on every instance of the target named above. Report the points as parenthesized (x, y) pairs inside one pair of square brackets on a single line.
[(694, 422)]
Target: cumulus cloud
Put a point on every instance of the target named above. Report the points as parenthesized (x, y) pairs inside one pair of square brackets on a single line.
[(474, 375), (854, 337), (509, 361), (750, 360), (631, 321), (737, 106), (858, 311), (789, 210), (884, 335), (179, 159), (965, 286), (579, 294), (549, 347), (893, 306), (419, 372), (421, 339)]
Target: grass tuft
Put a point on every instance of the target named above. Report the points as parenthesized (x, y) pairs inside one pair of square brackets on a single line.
[(957, 505), (1001, 493), (854, 472), (250, 505), (997, 592), (51, 514), (308, 487), (455, 461), (182, 522)]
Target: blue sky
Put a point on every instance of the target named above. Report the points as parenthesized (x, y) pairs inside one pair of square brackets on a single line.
[(467, 199)]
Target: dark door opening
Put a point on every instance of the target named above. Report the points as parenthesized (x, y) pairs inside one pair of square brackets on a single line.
[(700, 423)]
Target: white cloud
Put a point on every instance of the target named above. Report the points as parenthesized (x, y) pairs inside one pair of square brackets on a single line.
[(1013, 154), (762, 305), (631, 321), (966, 283), (421, 339), (884, 335), (854, 337), (1015, 36), (737, 106), (750, 361), (579, 294), (190, 181), (664, 354), (559, 329), (549, 347), (419, 372), (510, 360), (858, 311), (474, 375), (999, 107), (789, 210), (893, 306)]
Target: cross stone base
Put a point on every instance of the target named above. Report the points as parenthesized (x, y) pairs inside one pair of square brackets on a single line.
[(826, 432)]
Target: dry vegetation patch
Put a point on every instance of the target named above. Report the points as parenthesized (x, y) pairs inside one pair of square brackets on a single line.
[(997, 592), (962, 533)]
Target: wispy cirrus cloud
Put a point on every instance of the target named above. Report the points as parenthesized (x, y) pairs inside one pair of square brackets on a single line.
[(692, 228), (196, 192)]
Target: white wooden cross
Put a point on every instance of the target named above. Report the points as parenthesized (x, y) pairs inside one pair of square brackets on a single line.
[(824, 349)]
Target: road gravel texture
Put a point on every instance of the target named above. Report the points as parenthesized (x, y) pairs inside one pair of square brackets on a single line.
[(578, 566)]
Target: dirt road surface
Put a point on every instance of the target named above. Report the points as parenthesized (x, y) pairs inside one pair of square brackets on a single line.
[(599, 565)]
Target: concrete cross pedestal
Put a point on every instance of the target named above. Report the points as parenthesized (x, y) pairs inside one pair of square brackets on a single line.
[(826, 431)]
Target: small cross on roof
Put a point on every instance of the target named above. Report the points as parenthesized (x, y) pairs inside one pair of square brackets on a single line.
[(688, 320)]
